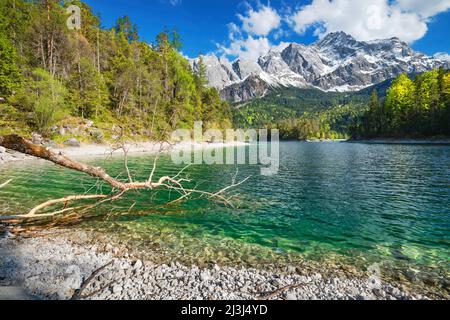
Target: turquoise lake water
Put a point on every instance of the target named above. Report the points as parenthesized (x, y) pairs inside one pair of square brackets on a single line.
[(364, 203)]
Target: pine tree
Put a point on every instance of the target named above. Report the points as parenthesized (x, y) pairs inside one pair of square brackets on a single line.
[(126, 27), (10, 76), (373, 114), (108, 76), (201, 74)]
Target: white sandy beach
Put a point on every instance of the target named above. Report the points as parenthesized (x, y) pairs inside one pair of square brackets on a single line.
[(88, 150), (142, 147)]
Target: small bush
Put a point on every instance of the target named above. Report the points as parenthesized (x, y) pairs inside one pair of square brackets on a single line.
[(97, 136)]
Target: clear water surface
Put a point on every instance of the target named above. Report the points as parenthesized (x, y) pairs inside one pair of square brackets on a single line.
[(356, 203)]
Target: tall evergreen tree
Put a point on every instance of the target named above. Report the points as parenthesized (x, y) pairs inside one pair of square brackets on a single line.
[(108, 76), (10, 76), (126, 27)]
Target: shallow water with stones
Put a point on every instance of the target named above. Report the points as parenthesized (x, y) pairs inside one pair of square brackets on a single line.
[(349, 203)]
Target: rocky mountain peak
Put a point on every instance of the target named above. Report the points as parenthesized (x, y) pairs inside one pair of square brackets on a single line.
[(338, 62), (336, 39)]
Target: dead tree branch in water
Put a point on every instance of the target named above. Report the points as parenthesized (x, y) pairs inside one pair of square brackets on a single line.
[(5, 183), (119, 188)]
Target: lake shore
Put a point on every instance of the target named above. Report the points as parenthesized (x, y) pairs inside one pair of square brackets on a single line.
[(103, 150), (325, 140), (403, 141), (55, 264)]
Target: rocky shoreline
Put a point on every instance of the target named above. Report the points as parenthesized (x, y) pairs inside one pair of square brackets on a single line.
[(55, 265), (7, 155)]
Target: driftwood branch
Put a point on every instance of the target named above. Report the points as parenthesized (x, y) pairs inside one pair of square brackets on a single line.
[(65, 200), (78, 294), (5, 183), (276, 293), (175, 183), (19, 144)]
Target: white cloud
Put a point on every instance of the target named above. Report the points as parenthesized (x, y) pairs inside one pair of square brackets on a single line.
[(233, 31), (260, 22), (279, 33), (369, 19), (247, 49), (249, 40), (424, 8)]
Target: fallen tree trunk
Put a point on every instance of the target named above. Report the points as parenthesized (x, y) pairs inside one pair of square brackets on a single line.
[(175, 183), (19, 144)]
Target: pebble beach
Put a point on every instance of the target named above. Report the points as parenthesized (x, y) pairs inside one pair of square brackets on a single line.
[(50, 265)]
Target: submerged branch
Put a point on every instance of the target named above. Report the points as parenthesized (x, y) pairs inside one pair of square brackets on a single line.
[(65, 200), (19, 144), (5, 183)]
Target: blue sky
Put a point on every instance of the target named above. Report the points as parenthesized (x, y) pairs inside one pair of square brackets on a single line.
[(248, 28)]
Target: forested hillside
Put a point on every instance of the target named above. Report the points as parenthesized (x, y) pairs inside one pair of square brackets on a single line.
[(304, 113), (95, 83), (406, 107), (418, 107)]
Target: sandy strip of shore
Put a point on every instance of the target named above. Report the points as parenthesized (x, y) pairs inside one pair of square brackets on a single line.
[(143, 147), (52, 266), (88, 150)]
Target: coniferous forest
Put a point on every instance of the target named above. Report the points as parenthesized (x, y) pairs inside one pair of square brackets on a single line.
[(95, 81), (410, 107), (418, 107)]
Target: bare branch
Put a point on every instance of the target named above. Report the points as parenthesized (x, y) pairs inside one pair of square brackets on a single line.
[(125, 151), (19, 144), (86, 283), (276, 293), (5, 183), (174, 183), (232, 185), (35, 210), (150, 178)]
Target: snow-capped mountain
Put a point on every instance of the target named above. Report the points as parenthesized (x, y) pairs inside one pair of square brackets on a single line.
[(338, 62)]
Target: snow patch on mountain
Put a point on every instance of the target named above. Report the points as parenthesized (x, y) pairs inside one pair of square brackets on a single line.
[(338, 62)]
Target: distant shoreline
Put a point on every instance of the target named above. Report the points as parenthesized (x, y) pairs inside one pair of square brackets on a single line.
[(324, 140), (408, 141)]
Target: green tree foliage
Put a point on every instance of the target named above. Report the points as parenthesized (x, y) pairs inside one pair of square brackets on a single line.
[(88, 90), (108, 76), (445, 100), (303, 113), (413, 108), (15, 18), (45, 97), (47, 39), (201, 77), (10, 75), (399, 100), (127, 28)]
